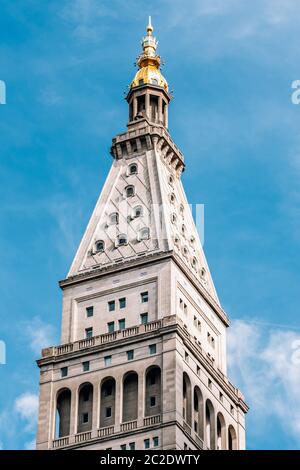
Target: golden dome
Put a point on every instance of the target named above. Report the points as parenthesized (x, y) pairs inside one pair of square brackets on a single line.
[(149, 63)]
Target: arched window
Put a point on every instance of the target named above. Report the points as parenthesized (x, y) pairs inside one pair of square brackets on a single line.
[(153, 391), (107, 403), (144, 234), (114, 218), (198, 412), (100, 246), (63, 407), (130, 397), (173, 218), (132, 169), (232, 440), (129, 190), (210, 425), (172, 198), (121, 239), (194, 262), (137, 212), (85, 407), (187, 405), (221, 432)]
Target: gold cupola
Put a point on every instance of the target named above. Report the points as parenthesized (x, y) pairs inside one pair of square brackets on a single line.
[(149, 63)]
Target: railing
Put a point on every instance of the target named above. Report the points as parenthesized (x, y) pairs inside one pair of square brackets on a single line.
[(107, 337), (150, 420), (83, 436), (128, 426), (103, 432), (61, 442)]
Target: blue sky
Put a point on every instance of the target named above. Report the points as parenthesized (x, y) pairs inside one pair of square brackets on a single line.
[(66, 65)]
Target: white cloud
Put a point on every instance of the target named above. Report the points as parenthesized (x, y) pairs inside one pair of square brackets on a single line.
[(40, 334), (264, 363), (31, 445), (26, 407)]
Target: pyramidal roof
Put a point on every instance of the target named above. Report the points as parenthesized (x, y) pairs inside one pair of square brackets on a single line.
[(142, 211)]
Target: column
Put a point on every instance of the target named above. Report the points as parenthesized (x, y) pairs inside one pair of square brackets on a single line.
[(134, 107), (160, 109), (147, 105)]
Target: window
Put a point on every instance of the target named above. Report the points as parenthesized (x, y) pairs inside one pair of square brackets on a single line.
[(88, 333), (181, 209), (146, 443), (144, 297), (100, 246), (195, 426), (144, 234), (141, 81), (122, 324), (108, 412), (154, 81), (152, 379), (85, 418), (129, 191), (89, 311), (114, 218), (123, 446), (231, 409), (108, 390), (86, 366), (130, 355), (121, 240), (195, 321), (198, 370), (111, 305), (144, 318), (122, 302), (194, 262), (185, 309), (181, 303), (86, 394), (111, 327), (209, 384), (152, 349), (155, 441), (137, 212), (221, 397), (152, 401), (131, 445), (107, 361), (186, 356), (64, 372), (172, 198), (133, 169), (173, 218)]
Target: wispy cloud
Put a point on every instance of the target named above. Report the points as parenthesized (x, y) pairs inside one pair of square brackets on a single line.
[(26, 406), (265, 363), (39, 334)]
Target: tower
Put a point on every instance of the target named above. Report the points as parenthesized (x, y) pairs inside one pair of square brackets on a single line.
[(142, 359)]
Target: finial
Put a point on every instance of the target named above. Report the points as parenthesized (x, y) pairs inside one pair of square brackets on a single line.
[(149, 27)]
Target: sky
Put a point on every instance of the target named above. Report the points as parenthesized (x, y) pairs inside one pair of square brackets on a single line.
[(230, 64)]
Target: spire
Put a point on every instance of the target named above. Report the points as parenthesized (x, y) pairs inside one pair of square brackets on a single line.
[(149, 62)]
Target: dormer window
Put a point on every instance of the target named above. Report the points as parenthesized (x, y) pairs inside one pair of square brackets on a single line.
[(121, 240), (100, 246), (137, 212), (144, 234), (114, 218), (141, 81), (172, 198), (132, 169), (154, 81), (129, 191)]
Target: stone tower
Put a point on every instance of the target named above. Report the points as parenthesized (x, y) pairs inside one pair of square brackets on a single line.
[(142, 359)]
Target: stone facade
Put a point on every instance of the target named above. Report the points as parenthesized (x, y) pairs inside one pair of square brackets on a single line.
[(142, 359)]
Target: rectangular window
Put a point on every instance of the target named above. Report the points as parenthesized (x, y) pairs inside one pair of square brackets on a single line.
[(123, 446), (144, 318), (85, 418), (152, 401), (122, 302), (152, 349), (195, 426), (131, 445), (111, 327), (130, 355), (209, 384), (155, 441), (64, 372), (88, 333), (198, 370), (86, 366), (107, 361), (111, 305), (146, 443), (108, 412), (89, 311), (186, 356), (144, 297), (122, 324)]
